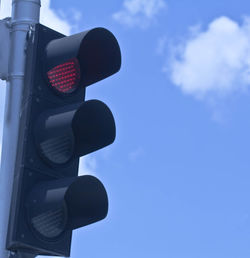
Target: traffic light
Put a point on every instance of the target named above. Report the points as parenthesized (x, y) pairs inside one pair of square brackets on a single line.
[(57, 126)]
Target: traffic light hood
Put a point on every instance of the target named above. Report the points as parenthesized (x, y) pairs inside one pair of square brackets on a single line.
[(97, 51), (93, 127), (74, 131), (74, 202)]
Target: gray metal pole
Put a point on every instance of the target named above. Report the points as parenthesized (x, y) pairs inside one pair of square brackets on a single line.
[(25, 13)]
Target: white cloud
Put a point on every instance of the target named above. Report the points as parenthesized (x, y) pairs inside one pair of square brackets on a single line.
[(139, 12), (87, 166), (213, 62), (51, 19), (48, 16), (72, 16), (5, 8)]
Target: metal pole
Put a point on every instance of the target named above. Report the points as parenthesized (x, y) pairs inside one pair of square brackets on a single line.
[(25, 13)]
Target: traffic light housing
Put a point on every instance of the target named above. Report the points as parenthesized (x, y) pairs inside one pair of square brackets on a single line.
[(57, 127)]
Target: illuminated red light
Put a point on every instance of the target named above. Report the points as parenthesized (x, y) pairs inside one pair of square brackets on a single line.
[(65, 77)]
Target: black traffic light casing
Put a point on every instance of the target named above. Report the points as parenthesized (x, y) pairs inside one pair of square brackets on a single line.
[(57, 126)]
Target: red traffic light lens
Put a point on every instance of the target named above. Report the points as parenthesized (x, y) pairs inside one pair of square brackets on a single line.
[(65, 77)]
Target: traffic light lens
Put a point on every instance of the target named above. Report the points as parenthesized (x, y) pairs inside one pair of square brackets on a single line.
[(51, 223), (65, 77)]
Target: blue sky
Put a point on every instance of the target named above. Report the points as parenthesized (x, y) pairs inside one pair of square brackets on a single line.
[(178, 174)]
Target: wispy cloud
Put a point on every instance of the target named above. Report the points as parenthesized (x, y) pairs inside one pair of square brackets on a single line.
[(161, 45), (87, 166), (139, 13), (213, 62), (72, 16), (136, 154), (52, 18)]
